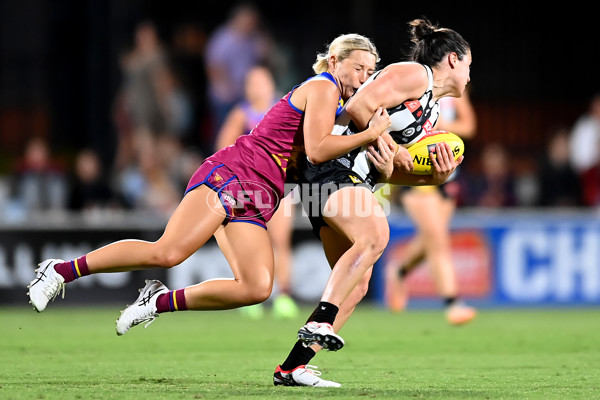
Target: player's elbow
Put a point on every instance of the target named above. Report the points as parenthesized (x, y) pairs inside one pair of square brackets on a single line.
[(315, 161), (351, 109), (315, 156), (470, 133)]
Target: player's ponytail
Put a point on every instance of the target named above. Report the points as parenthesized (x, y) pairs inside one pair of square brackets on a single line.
[(342, 46), (420, 29), (431, 43)]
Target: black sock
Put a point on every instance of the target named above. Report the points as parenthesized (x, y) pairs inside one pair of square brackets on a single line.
[(325, 312), (448, 301), (299, 355)]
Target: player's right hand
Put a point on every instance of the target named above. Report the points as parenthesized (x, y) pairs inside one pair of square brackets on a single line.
[(379, 123)]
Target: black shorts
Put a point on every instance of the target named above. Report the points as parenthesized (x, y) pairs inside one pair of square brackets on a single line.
[(321, 181)]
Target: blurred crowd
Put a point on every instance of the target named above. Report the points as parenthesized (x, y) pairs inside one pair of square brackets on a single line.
[(172, 103), (565, 172)]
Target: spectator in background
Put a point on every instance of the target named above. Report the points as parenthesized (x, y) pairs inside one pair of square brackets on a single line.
[(152, 111), (232, 50), (179, 161), (137, 109), (494, 187), (558, 182), (590, 179), (585, 138), (174, 103), (187, 61), (89, 187), (140, 67), (39, 182), (146, 185)]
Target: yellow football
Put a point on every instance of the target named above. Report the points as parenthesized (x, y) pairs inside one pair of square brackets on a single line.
[(420, 150)]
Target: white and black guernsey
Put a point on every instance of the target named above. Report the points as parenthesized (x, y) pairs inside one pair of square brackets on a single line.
[(409, 120)]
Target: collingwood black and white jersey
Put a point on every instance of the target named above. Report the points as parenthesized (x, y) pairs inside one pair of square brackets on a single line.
[(409, 121)]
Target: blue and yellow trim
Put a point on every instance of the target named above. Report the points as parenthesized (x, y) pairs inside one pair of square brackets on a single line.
[(75, 268)]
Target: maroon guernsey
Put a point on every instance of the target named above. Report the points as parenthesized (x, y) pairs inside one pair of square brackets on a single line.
[(258, 164)]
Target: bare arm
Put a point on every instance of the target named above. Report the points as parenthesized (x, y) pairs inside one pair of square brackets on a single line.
[(396, 84), (319, 100), (232, 128), (465, 123)]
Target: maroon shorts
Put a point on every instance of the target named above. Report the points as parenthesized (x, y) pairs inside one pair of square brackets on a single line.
[(238, 206)]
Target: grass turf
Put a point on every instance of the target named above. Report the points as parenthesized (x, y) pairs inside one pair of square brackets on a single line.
[(74, 353)]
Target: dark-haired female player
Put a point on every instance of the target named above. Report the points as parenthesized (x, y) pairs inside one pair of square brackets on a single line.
[(439, 67)]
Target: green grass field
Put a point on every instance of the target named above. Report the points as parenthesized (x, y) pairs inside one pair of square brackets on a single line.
[(73, 353)]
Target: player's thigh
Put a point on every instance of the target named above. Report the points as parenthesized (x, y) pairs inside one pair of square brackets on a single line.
[(196, 218), (448, 207), (356, 213), (248, 250)]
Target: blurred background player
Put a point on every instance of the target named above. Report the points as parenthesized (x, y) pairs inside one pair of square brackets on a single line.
[(431, 209), (559, 184), (260, 96), (585, 137), (231, 51)]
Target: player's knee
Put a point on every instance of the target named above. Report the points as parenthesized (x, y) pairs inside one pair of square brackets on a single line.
[(380, 242), (168, 258), (256, 289), (374, 242), (258, 294)]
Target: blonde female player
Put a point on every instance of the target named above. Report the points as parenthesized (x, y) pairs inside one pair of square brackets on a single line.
[(431, 209), (233, 195), (440, 67), (259, 97)]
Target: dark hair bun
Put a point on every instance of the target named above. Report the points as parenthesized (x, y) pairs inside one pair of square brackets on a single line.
[(421, 29), (430, 43)]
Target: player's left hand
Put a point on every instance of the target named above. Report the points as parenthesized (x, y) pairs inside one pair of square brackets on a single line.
[(403, 161), (443, 163)]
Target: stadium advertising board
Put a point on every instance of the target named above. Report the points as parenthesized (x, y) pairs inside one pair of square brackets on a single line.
[(513, 259), (509, 260), (21, 249)]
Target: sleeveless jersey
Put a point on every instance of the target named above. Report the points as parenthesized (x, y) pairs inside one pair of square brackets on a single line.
[(265, 156), (409, 120)]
